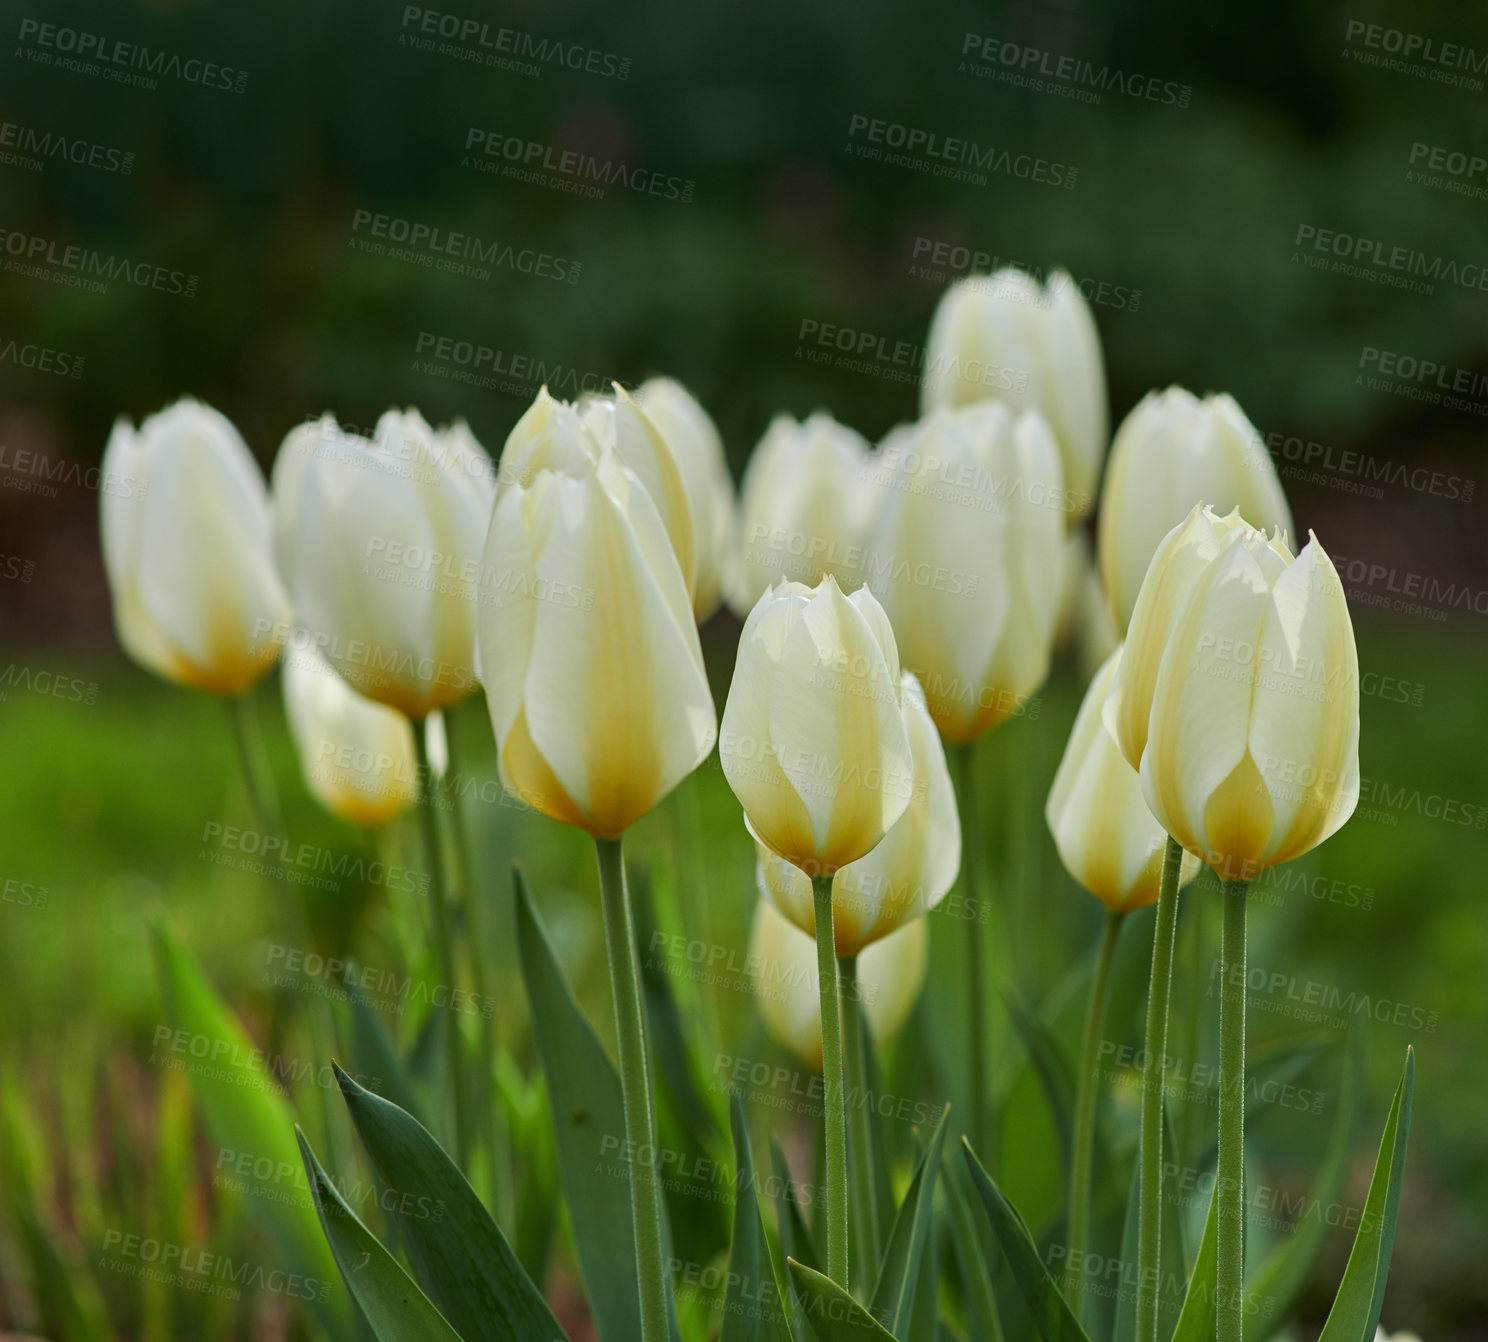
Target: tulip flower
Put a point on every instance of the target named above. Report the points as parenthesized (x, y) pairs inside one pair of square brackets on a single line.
[(1172, 452), (1110, 843), (595, 683), (379, 543), (814, 745), (782, 961), (698, 450), (803, 508), (556, 435), (966, 558), (906, 875), (1005, 337), (1238, 698), (357, 755), (187, 550)]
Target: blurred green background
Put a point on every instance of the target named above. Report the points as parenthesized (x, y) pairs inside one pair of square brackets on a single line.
[(268, 197)]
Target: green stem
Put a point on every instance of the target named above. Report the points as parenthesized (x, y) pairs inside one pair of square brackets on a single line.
[(964, 759), (253, 762), (1154, 1060), (1230, 1178), (1087, 1099), (635, 1089), (444, 951), (855, 1045), (835, 1099)]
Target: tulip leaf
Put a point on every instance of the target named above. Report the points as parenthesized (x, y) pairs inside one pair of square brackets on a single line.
[(898, 1275), (394, 1307), (374, 1055), (795, 1238), (971, 1257), (1051, 1314), (833, 1314), (752, 1305), (456, 1250), (1285, 1269), (1050, 1067), (1356, 1308), (1197, 1318), (244, 1111), (589, 1123)]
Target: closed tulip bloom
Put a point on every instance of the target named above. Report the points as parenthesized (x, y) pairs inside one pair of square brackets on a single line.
[(592, 666), (1173, 451), (1251, 755), (907, 874), (966, 557), (187, 548), (357, 755), (813, 741), (803, 508), (556, 435), (379, 543), (1005, 337), (698, 450), (891, 975), (1106, 835)]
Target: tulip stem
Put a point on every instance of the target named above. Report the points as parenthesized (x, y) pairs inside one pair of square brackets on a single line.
[(1087, 1100), (855, 1045), (1154, 1063), (964, 759), (835, 1103), (258, 777), (1230, 1177), (635, 1089), (460, 1128)]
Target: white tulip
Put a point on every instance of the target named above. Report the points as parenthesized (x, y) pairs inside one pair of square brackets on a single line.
[(1172, 452), (187, 549)]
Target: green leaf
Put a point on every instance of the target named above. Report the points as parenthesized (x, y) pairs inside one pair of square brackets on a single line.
[(589, 1123), (893, 1297), (1051, 1068), (1196, 1320), (971, 1258), (394, 1307), (1172, 1258), (752, 1305), (833, 1314), (1051, 1315), (245, 1113), (457, 1251), (795, 1238), (1285, 1270), (1356, 1308), (373, 1054)]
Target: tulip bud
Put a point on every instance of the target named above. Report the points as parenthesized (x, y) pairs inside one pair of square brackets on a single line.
[(188, 550), (891, 974), (1005, 337), (1106, 836), (1238, 695), (966, 557), (379, 543), (357, 755), (590, 657), (698, 450), (1172, 452), (554, 435), (813, 740), (908, 873), (803, 508)]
